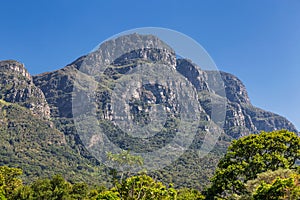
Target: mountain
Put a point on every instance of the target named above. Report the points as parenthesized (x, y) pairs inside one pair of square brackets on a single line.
[(48, 98), (17, 87), (28, 138)]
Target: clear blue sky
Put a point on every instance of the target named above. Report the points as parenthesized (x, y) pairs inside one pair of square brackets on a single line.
[(257, 40)]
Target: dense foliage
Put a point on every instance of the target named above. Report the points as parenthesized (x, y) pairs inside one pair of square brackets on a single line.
[(39, 149), (255, 167), (136, 187), (252, 155), (279, 184)]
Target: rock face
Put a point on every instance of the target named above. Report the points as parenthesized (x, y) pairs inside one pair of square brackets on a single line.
[(17, 86), (235, 89), (28, 137), (242, 117), (57, 87), (51, 94)]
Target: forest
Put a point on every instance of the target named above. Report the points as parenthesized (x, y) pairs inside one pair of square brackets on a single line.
[(255, 167)]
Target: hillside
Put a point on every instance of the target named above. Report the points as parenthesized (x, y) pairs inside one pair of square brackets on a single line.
[(29, 139), (48, 112)]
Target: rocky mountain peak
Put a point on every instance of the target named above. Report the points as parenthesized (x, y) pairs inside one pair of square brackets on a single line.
[(193, 73), (127, 43), (127, 49), (16, 86), (115, 57), (235, 89), (15, 67), (111, 61)]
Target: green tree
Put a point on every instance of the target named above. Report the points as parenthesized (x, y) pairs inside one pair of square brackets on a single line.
[(79, 191), (23, 193), (189, 194), (95, 190), (9, 181), (143, 187), (2, 184), (125, 161), (279, 184), (251, 155), (2, 197), (108, 195), (273, 191), (55, 188), (42, 189), (60, 187)]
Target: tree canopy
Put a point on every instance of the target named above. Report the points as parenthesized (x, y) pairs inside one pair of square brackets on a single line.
[(251, 155), (255, 167)]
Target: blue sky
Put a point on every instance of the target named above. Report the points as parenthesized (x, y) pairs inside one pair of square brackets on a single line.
[(257, 40)]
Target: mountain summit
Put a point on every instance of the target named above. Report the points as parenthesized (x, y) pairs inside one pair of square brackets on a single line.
[(50, 96), (17, 87), (241, 119)]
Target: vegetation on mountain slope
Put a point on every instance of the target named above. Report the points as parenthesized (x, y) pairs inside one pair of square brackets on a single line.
[(255, 167), (38, 133), (40, 150)]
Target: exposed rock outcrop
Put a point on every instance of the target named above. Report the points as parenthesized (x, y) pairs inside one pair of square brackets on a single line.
[(241, 119), (114, 63), (17, 87)]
